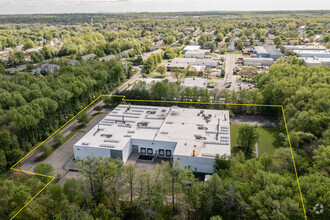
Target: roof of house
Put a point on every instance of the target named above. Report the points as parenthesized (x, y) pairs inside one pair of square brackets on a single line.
[(107, 58), (88, 56)]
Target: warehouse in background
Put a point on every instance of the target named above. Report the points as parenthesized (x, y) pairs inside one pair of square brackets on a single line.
[(267, 51)]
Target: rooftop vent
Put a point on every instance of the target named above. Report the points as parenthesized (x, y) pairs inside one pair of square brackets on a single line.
[(107, 145), (164, 132), (106, 135), (112, 141), (85, 143)]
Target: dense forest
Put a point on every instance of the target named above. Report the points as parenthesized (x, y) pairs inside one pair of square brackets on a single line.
[(33, 107)]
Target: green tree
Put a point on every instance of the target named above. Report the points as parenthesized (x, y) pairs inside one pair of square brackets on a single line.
[(5, 140), (220, 37), (169, 40), (3, 161), (83, 118), (162, 69), (18, 58), (326, 38), (59, 138), (130, 173), (28, 44), (277, 40), (160, 91), (322, 160), (45, 170), (247, 137)]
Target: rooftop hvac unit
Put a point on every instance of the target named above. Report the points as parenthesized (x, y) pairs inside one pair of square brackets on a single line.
[(174, 113), (85, 143), (107, 145), (106, 135), (127, 135), (169, 122), (208, 155), (131, 132), (164, 132), (137, 110), (112, 141)]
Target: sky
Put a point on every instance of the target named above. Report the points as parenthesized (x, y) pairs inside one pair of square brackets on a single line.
[(90, 6)]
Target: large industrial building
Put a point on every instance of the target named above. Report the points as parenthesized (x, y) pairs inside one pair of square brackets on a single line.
[(267, 51), (191, 136), (258, 62), (317, 61), (200, 54), (194, 82), (185, 62)]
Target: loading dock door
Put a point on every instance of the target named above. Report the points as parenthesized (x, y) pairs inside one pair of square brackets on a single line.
[(135, 148)]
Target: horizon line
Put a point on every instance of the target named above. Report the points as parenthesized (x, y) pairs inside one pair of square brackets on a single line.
[(159, 12)]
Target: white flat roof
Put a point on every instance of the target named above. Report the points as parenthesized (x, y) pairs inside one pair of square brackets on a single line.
[(186, 127), (195, 82), (192, 47)]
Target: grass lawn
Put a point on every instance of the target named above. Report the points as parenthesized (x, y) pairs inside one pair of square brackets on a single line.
[(268, 137), (181, 56), (235, 52), (157, 76)]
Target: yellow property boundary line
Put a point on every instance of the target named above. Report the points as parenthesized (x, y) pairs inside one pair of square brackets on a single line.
[(133, 100)]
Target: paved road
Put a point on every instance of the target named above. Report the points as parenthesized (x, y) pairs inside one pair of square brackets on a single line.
[(262, 121), (230, 60), (64, 153)]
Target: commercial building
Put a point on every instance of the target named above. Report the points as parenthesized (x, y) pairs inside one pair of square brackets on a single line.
[(317, 61), (313, 53), (185, 62), (191, 136), (306, 47), (258, 62), (199, 83), (191, 48), (267, 51), (200, 54)]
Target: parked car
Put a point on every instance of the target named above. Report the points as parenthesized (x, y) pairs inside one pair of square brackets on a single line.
[(211, 86)]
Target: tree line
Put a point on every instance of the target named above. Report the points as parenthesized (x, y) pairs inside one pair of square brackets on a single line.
[(34, 106)]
